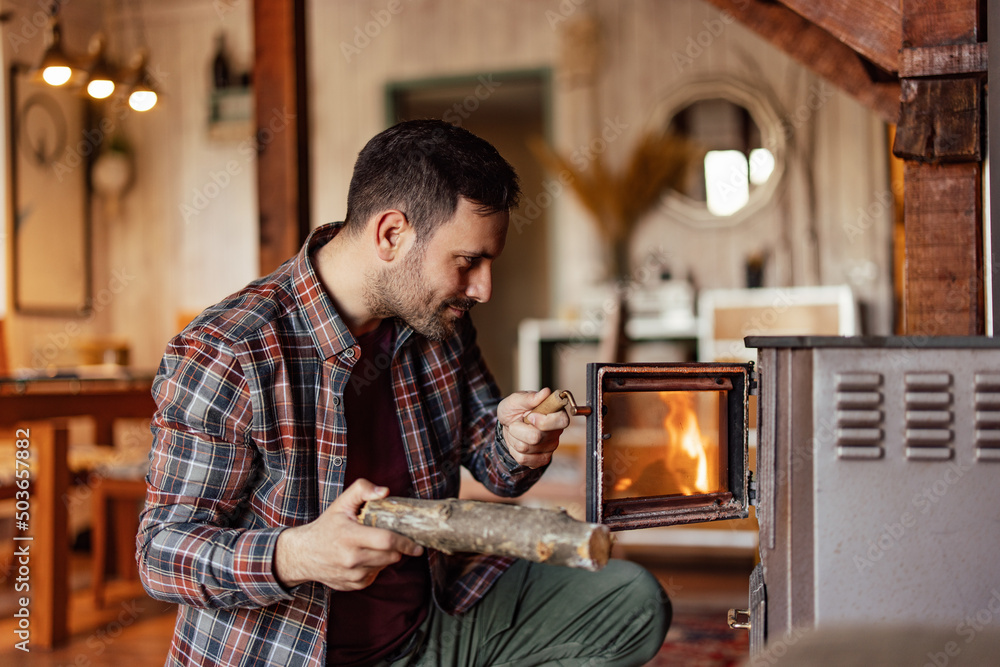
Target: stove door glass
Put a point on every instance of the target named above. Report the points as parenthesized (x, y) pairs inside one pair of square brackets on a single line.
[(667, 443), (664, 443)]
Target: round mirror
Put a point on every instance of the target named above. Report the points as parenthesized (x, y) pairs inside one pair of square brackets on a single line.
[(738, 132)]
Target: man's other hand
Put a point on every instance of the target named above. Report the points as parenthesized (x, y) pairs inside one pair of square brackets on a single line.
[(336, 550), (531, 437)]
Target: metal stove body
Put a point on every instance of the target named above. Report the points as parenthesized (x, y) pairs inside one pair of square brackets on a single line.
[(878, 483)]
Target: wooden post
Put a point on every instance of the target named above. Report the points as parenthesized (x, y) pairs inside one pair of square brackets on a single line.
[(940, 135), (282, 136)]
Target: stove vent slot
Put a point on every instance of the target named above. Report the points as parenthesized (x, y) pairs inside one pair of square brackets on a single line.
[(988, 416), (928, 416), (859, 415)]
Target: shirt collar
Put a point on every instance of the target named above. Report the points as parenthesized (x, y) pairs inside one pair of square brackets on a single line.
[(329, 332)]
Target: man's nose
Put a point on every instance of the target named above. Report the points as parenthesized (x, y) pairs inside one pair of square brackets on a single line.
[(480, 286)]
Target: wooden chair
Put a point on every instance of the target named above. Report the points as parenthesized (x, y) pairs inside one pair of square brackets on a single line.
[(116, 507)]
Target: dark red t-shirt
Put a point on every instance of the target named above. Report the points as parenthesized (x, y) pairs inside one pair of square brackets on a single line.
[(368, 625)]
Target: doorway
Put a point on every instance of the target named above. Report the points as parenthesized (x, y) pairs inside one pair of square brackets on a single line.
[(505, 109)]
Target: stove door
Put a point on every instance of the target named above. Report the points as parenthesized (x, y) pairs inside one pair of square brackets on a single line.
[(667, 443)]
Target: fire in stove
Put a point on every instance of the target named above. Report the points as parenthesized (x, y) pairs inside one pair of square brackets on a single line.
[(663, 443)]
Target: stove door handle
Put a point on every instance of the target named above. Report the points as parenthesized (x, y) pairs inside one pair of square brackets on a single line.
[(561, 400), (734, 619)]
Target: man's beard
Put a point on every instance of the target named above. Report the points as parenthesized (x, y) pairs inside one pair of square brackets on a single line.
[(400, 293)]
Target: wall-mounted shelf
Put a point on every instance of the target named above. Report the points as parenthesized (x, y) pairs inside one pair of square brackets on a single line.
[(231, 115)]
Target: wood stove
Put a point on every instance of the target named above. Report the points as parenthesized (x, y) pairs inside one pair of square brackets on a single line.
[(878, 459)]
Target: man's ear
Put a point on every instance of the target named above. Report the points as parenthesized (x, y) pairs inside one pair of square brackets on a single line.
[(392, 233)]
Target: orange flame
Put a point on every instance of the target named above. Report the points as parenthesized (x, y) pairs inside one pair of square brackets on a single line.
[(687, 448), (623, 484)]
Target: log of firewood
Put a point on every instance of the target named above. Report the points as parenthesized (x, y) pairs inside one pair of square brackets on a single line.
[(452, 525)]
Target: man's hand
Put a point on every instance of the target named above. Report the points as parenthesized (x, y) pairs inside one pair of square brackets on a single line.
[(336, 550), (532, 443)]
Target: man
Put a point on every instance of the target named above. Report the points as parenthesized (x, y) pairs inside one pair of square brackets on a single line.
[(348, 374)]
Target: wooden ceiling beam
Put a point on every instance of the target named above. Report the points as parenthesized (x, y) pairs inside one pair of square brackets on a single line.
[(818, 50), (872, 28), (940, 22)]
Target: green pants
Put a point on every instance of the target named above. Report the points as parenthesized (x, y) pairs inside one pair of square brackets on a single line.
[(545, 615)]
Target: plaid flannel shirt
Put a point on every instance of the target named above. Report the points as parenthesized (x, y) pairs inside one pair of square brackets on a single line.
[(249, 438)]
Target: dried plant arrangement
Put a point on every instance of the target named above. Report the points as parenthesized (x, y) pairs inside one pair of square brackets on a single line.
[(659, 162)]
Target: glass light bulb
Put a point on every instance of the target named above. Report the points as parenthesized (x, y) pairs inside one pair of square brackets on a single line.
[(142, 100), (100, 88), (56, 76)]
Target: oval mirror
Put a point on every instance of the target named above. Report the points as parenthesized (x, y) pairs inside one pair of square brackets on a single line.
[(738, 128)]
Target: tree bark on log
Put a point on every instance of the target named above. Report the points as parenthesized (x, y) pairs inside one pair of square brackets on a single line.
[(452, 525)]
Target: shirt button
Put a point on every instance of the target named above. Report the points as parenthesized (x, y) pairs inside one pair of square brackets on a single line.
[(336, 400), (338, 461), (349, 353)]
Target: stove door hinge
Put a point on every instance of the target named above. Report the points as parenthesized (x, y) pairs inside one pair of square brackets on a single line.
[(754, 379), (751, 489)]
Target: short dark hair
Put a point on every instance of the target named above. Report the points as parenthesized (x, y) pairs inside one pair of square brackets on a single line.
[(422, 167)]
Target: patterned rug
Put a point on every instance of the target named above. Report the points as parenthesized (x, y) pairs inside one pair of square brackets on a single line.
[(703, 640)]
